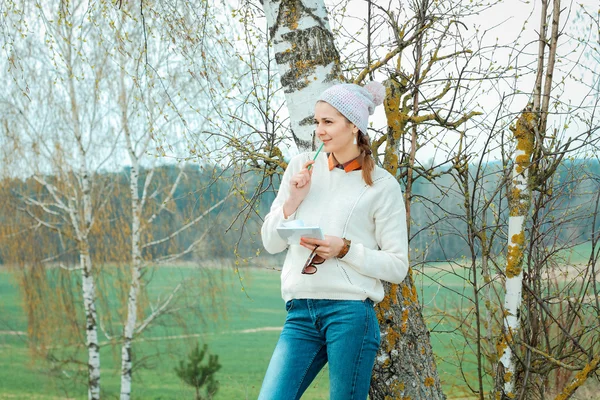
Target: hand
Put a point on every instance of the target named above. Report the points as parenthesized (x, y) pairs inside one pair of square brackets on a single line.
[(299, 188), (328, 248)]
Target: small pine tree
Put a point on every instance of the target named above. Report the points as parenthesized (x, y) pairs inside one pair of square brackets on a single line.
[(197, 375)]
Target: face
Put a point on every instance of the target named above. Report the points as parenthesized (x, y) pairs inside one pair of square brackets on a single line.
[(333, 129)]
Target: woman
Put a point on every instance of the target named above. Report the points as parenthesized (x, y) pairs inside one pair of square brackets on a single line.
[(331, 285)]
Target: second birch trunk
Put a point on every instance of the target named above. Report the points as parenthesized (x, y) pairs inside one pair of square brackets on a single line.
[(519, 204)]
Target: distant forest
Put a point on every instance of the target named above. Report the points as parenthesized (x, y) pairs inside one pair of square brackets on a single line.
[(437, 230)]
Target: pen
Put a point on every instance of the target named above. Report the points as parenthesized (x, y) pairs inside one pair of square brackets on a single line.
[(316, 155)]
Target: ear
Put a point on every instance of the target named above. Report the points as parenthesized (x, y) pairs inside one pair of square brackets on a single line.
[(354, 129)]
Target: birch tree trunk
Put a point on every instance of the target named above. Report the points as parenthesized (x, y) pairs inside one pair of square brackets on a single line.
[(136, 251), (88, 282), (528, 132), (91, 327), (307, 58), (134, 288), (82, 229), (519, 201)]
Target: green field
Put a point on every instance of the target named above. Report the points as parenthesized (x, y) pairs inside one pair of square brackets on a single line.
[(241, 326)]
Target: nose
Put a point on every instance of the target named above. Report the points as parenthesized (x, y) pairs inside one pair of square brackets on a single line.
[(319, 129)]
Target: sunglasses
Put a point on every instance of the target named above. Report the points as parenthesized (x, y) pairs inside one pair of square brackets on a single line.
[(310, 267)]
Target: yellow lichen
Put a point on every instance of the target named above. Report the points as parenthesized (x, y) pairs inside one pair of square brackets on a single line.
[(580, 378), (429, 381), (302, 67), (517, 202), (500, 347), (392, 339), (396, 388), (518, 238), (507, 376), (291, 16), (514, 261), (404, 325), (391, 164), (387, 302), (522, 162), (406, 294), (524, 132), (414, 294), (392, 109)]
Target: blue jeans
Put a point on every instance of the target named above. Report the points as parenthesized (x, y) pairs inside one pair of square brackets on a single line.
[(344, 333)]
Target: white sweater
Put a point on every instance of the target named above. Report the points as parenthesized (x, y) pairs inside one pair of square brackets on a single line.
[(343, 205)]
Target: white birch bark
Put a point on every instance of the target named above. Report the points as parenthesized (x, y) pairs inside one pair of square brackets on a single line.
[(91, 327), (134, 288), (88, 283), (512, 303), (528, 132), (136, 249), (519, 202), (306, 56)]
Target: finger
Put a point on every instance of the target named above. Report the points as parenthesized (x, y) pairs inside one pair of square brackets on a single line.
[(307, 246), (314, 242), (300, 181), (305, 177), (306, 164)]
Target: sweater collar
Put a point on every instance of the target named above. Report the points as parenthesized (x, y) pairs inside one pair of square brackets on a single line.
[(352, 165)]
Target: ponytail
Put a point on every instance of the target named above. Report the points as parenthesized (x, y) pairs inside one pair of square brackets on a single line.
[(368, 163)]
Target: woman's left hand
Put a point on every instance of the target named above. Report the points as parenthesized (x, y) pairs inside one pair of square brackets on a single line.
[(328, 248)]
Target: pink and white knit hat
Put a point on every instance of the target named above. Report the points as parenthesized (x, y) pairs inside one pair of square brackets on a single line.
[(355, 102)]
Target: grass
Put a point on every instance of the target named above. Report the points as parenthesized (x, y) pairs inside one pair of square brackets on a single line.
[(239, 324), (243, 353)]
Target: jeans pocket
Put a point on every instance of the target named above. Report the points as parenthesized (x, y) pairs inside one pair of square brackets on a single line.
[(289, 305)]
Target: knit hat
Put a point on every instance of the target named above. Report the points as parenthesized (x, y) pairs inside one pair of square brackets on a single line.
[(355, 102)]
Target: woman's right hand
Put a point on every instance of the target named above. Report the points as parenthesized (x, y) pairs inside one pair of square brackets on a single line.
[(299, 188)]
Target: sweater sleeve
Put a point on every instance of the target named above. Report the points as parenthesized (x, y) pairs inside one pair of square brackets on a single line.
[(390, 262), (272, 242)]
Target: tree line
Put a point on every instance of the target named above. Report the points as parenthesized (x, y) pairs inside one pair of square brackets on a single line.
[(198, 190), (202, 186)]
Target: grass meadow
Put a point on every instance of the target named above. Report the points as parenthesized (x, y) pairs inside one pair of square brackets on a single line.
[(241, 325)]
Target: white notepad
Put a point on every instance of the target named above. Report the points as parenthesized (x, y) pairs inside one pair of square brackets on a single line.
[(292, 231)]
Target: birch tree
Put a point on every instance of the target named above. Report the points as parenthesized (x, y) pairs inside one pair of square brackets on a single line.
[(67, 147), (143, 114), (529, 130), (63, 144)]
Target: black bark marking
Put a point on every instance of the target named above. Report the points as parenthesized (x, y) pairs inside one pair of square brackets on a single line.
[(313, 46)]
